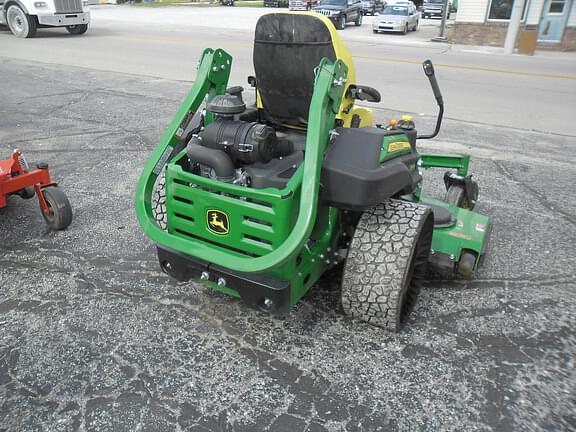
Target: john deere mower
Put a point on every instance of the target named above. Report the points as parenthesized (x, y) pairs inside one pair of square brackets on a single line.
[(258, 202)]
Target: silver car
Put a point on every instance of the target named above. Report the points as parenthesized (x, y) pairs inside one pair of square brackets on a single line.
[(396, 18)]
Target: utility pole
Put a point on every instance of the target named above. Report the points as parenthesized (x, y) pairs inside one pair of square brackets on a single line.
[(513, 26), (442, 36)]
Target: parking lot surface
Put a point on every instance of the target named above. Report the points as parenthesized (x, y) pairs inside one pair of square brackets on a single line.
[(93, 337)]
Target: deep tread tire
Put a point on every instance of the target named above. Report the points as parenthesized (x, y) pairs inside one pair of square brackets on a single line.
[(21, 24), (60, 215), (78, 29), (159, 201), (387, 263)]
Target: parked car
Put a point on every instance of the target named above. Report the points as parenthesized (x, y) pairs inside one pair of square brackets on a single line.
[(341, 12), (432, 8), (371, 7), (276, 3), (397, 18), (301, 5), (401, 3)]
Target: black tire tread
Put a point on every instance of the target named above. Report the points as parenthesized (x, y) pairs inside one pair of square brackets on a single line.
[(61, 208), (78, 29), (377, 262)]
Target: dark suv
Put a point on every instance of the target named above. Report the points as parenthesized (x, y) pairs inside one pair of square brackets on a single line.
[(434, 8), (370, 7), (341, 12)]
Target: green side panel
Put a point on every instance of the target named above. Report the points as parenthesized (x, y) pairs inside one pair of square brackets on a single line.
[(259, 220), (470, 232)]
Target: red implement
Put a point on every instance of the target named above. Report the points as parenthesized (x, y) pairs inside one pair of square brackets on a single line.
[(16, 178)]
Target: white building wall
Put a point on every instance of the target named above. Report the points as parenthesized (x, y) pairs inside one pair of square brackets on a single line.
[(572, 17), (472, 10), (534, 11)]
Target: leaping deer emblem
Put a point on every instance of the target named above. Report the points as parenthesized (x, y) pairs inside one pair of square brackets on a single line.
[(218, 222)]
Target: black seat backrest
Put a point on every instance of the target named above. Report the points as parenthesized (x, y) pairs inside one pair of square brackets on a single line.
[(287, 49)]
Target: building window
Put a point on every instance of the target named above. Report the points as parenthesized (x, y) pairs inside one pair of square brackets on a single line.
[(556, 7), (501, 10)]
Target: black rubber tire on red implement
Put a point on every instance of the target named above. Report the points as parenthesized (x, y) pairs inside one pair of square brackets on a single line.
[(386, 263), (60, 210), (27, 193)]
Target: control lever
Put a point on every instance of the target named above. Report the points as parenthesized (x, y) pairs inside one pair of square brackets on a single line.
[(429, 71)]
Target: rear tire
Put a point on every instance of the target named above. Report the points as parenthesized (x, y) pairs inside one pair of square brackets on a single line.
[(60, 210), (387, 263), (21, 24), (77, 29)]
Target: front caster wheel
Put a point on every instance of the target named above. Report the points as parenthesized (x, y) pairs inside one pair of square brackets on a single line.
[(467, 264), (457, 196), (59, 214), (386, 263)]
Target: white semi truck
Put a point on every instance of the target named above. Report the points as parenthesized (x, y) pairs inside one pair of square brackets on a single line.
[(24, 17)]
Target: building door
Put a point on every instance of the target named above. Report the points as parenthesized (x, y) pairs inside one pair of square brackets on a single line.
[(554, 16)]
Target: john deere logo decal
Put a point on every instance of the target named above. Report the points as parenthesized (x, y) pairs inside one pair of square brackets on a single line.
[(217, 222)]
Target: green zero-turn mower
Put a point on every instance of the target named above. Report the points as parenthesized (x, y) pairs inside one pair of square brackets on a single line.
[(259, 202)]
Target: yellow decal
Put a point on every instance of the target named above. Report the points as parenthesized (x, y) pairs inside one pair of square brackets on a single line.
[(459, 235), (217, 222), (398, 145)]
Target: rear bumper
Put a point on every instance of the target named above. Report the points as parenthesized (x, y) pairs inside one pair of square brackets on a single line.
[(62, 20), (258, 290)]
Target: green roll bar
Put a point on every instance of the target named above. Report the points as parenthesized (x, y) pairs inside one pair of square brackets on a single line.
[(212, 78)]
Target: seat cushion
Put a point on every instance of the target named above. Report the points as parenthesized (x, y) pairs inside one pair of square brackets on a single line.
[(287, 49)]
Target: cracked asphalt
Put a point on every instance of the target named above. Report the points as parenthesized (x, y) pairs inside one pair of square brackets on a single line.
[(93, 337)]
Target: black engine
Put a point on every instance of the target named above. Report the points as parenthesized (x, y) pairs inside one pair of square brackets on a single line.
[(229, 149)]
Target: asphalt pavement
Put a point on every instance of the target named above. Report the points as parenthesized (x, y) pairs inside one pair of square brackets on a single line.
[(93, 337)]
